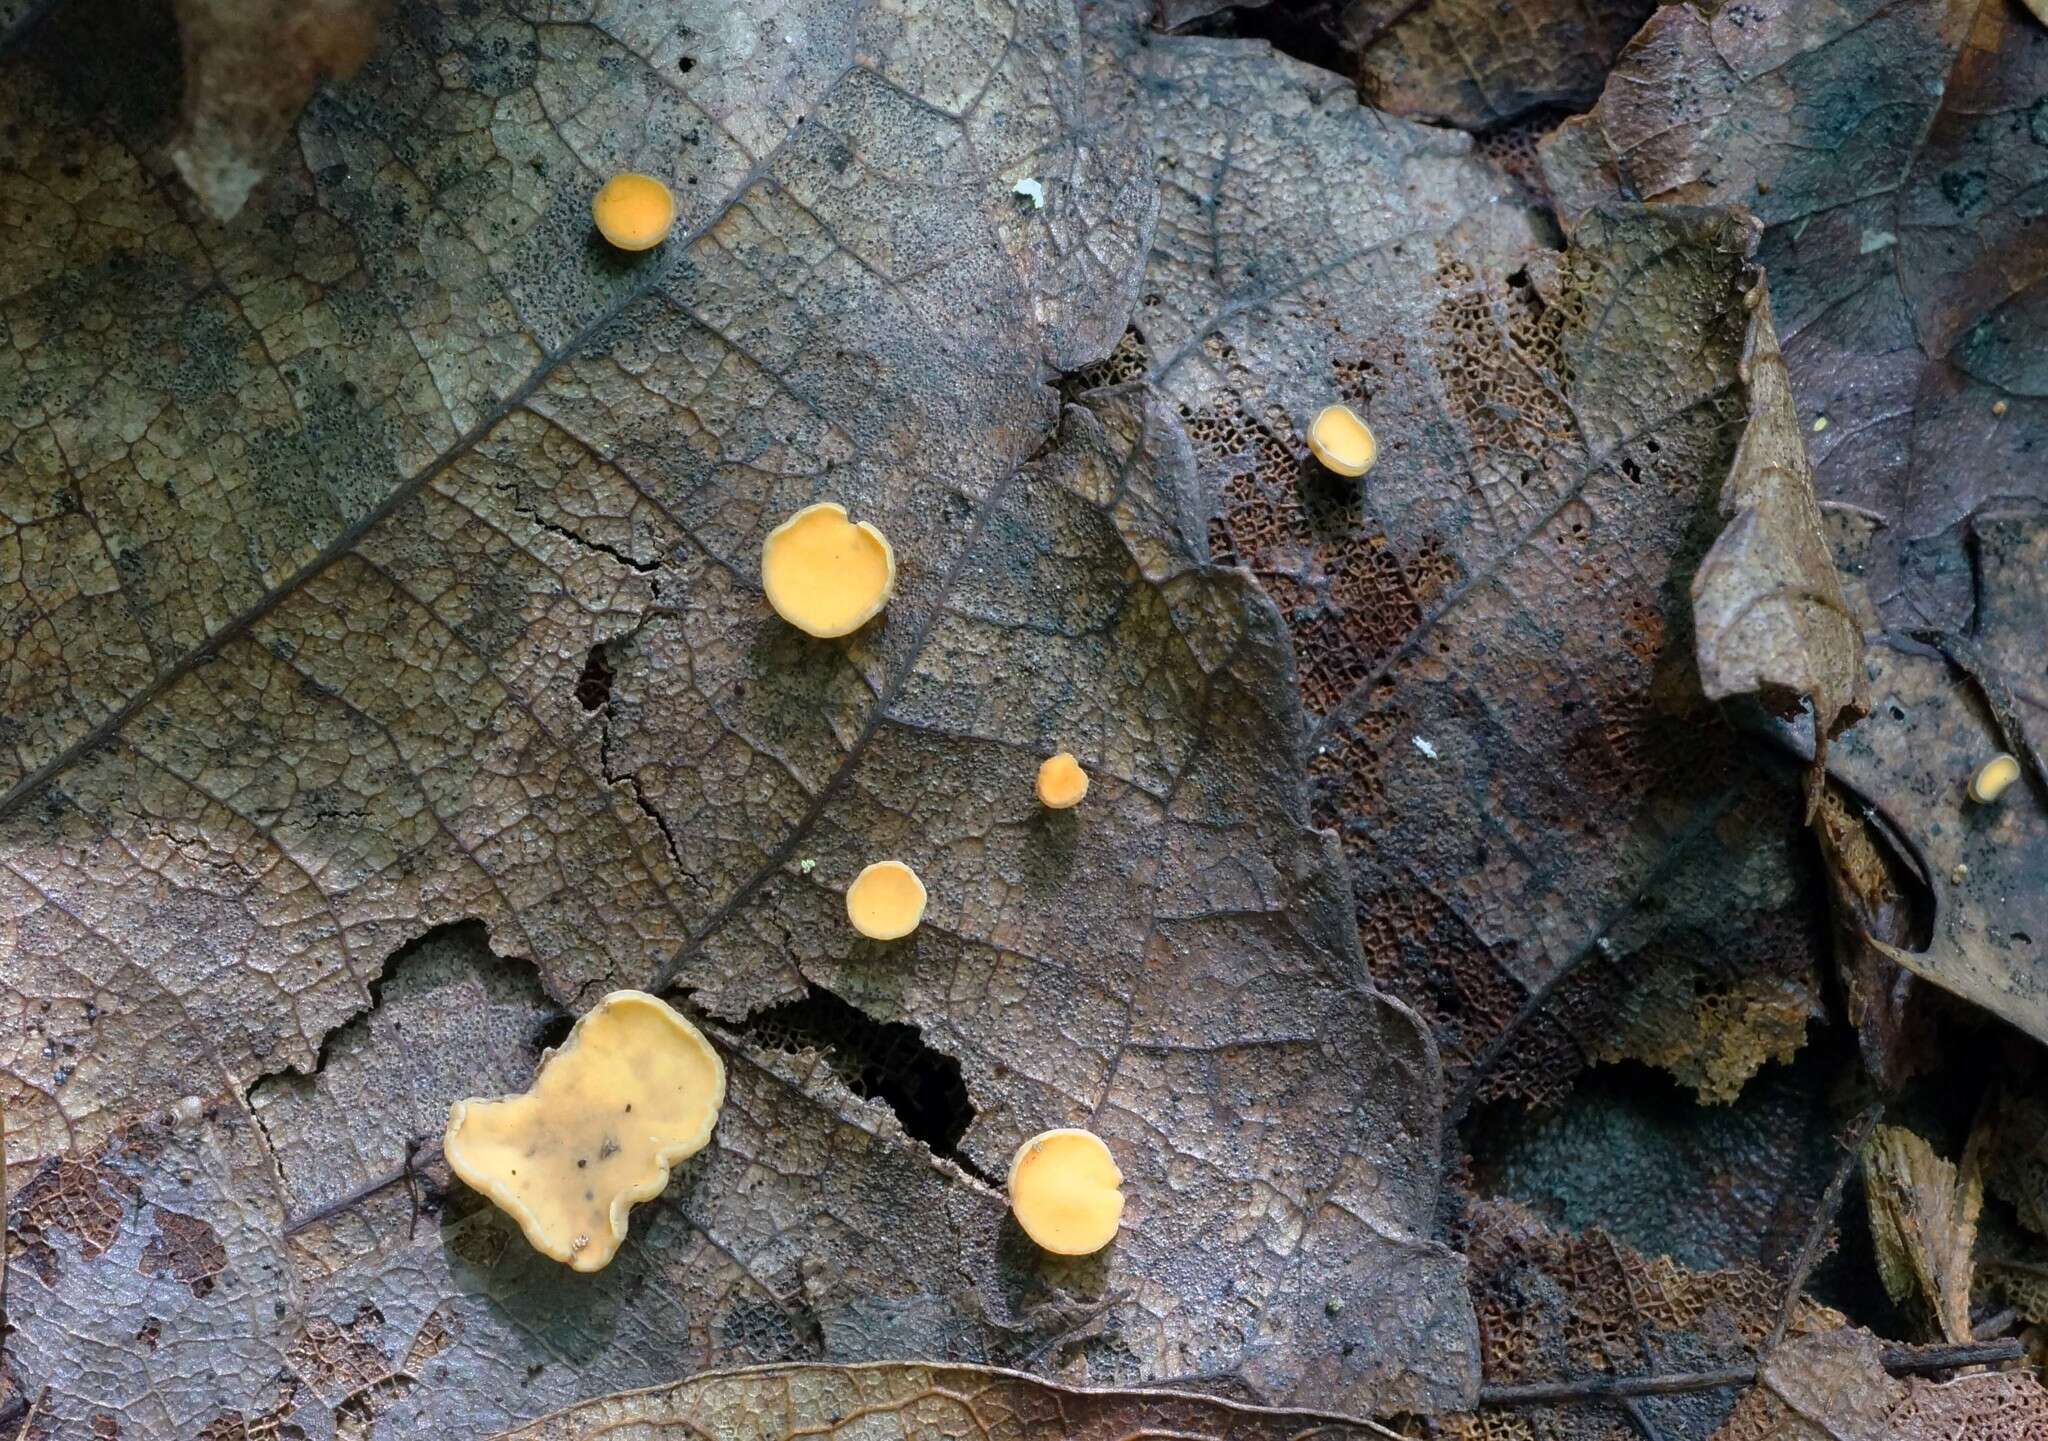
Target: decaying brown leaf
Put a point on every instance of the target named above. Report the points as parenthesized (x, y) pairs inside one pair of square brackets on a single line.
[(1923, 1217), (1942, 704), (250, 68), (921, 1403), (1478, 63), (1557, 1307), (1892, 149), (1772, 621), (424, 548), (1871, 908), (1833, 1387), (1491, 627)]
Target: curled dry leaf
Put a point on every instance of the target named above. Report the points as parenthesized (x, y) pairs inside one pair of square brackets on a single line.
[(1891, 150), (1772, 621), (921, 1403), (1941, 705), (1490, 628), (407, 560), (1833, 1387), (250, 68), (1923, 1218)]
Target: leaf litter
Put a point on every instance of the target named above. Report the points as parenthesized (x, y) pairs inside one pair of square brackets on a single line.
[(397, 547)]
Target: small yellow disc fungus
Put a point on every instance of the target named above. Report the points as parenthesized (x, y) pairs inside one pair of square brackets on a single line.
[(632, 1091), (824, 574), (1342, 442), (1061, 782), (885, 901), (1066, 1191), (634, 212), (1992, 778)]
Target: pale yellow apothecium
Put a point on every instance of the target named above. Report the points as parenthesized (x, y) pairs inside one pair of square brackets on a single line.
[(1341, 441), (885, 901), (1062, 784), (634, 1090), (1066, 1191), (633, 212), (825, 574)]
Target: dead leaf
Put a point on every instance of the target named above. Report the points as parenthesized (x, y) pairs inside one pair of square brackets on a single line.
[(1554, 1306), (250, 68), (921, 1403), (1772, 621), (1942, 705), (1510, 737), (1891, 150), (1871, 906), (415, 596), (1833, 1387), (1478, 64), (1923, 1217)]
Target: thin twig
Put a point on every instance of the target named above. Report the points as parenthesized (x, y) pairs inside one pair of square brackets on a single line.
[(1823, 1218), (1899, 1360), (1640, 1419), (416, 1153)]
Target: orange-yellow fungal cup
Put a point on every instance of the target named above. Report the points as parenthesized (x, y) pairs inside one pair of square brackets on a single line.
[(634, 212), (1066, 1191), (824, 574), (1341, 441), (885, 901), (1061, 782)]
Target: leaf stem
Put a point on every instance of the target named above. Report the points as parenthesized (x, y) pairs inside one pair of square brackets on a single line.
[(1899, 1360)]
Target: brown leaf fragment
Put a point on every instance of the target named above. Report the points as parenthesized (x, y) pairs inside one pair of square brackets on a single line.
[(1478, 64), (1867, 906), (250, 68), (1923, 1216), (913, 1401), (1768, 607), (1943, 704), (1834, 1387)]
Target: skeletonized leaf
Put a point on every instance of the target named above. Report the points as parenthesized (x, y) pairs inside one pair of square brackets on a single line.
[(1833, 1387), (1923, 1217), (920, 1403)]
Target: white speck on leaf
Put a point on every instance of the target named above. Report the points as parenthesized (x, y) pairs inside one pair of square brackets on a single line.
[(1425, 747), (1032, 190)]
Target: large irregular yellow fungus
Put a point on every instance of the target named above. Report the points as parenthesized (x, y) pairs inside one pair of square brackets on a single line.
[(885, 901), (1341, 441), (1067, 1192), (1992, 778), (632, 1091), (1061, 782), (824, 574), (634, 212)]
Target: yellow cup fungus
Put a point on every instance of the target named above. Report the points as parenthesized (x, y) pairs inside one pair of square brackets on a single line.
[(1061, 782), (1992, 778), (634, 212), (633, 1090), (885, 901), (1066, 1191), (824, 574), (1341, 441)]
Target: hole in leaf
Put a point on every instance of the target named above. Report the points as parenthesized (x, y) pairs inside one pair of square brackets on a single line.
[(885, 1061), (594, 686)]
